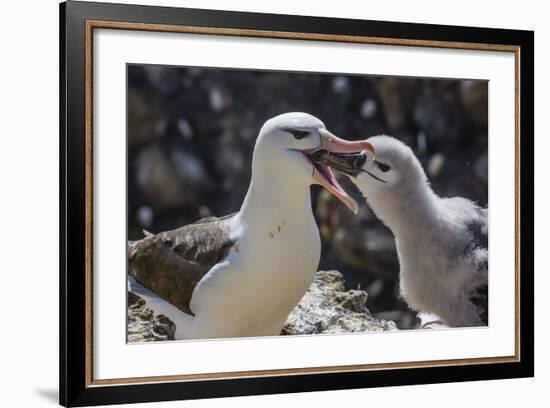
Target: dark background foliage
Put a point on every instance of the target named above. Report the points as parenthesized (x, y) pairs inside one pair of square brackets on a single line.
[(191, 133)]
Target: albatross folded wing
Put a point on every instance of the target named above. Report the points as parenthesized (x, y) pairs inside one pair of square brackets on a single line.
[(172, 263)]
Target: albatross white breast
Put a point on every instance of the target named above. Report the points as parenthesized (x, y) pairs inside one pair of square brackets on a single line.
[(241, 275)]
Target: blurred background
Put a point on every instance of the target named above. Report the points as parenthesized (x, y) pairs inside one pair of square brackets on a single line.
[(191, 134)]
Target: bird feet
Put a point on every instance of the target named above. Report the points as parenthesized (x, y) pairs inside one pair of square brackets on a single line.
[(431, 321)]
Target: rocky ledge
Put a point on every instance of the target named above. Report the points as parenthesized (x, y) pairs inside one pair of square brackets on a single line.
[(326, 308), (143, 325)]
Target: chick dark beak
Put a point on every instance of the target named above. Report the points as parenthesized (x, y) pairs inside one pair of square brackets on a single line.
[(348, 163)]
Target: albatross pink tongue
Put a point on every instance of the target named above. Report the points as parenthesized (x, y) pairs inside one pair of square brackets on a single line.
[(324, 176)]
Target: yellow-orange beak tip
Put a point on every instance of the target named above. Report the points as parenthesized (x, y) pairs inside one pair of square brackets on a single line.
[(370, 148)]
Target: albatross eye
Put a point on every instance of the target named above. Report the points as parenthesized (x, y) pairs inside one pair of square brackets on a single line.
[(298, 134), (382, 166)]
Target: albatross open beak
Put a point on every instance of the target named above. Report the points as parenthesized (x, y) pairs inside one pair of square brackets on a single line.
[(323, 174)]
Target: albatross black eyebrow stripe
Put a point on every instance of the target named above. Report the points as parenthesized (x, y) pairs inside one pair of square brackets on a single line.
[(298, 134), (373, 176)]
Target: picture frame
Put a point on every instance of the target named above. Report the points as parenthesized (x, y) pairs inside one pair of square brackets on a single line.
[(79, 21)]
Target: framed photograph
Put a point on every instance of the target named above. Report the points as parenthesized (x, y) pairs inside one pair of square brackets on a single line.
[(256, 204)]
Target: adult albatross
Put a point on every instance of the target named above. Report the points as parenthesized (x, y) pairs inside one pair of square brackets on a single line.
[(241, 275), (441, 242)]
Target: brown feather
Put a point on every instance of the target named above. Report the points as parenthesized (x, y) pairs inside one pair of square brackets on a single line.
[(171, 263)]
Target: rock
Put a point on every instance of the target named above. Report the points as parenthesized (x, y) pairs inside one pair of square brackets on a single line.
[(405, 320), (474, 97), (359, 241), (368, 108), (441, 118), (143, 325), (145, 215), (158, 179), (185, 129), (437, 161), (166, 81), (170, 177), (218, 100), (397, 96), (326, 308), (146, 119), (132, 298), (421, 142), (340, 84), (481, 168)]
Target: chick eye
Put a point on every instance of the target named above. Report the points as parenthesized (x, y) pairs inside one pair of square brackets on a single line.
[(298, 134), (383, 166)]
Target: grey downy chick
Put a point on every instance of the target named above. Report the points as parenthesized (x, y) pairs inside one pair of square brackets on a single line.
[(441, 242)]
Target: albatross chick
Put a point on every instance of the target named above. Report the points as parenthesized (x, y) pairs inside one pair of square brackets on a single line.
[(441, 242)]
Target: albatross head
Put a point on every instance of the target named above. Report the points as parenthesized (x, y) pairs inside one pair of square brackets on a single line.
[(393, 170), (394, 167), (392, 181), (287, 146)]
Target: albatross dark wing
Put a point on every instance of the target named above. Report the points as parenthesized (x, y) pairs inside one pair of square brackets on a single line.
[(171, 263), (472, 250), (479, 295)]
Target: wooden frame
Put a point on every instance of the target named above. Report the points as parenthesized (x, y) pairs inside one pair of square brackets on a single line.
[(77, 22)]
